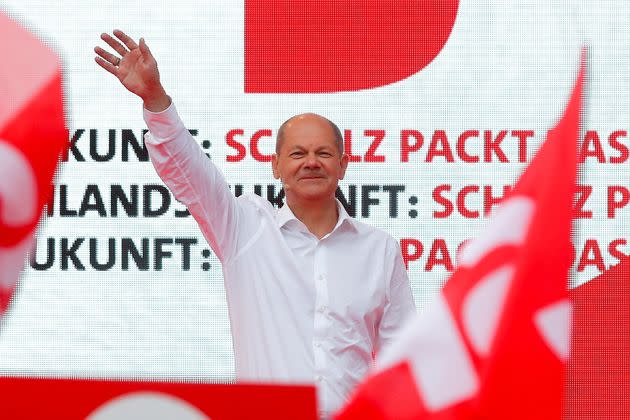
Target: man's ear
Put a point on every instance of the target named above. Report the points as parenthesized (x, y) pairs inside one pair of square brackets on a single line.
[(274, 166), (344, 165)]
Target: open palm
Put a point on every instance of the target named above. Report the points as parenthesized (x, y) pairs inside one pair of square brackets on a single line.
[(137, 73), (135, 66)]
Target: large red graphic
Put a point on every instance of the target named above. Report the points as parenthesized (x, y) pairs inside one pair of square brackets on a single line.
[(316, 46), (598, 377)]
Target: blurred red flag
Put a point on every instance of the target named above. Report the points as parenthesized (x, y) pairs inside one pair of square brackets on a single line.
[(494, 344), (32, 135), (598, 377)]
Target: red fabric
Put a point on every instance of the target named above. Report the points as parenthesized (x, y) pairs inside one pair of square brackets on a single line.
[(38, 131), (32, 136), (390, 394), (598, 374), (518, 367), (522, 378)]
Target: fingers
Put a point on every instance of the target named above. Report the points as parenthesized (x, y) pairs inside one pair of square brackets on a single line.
[(117, 46), (106, 65), (111, 58), (144, 49), (130, 43)]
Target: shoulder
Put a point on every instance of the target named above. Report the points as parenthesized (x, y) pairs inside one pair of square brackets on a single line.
[(257, 202)]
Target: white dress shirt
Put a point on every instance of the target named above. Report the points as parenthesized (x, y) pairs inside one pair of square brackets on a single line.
[(302, 309)]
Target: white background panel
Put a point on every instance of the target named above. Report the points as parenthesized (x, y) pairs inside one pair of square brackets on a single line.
[(508, 65)]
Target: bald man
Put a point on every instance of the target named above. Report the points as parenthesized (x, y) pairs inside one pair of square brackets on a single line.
[(312, 293)]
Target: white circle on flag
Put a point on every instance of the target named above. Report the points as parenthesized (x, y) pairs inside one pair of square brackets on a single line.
[(18, 187), (147, 405)]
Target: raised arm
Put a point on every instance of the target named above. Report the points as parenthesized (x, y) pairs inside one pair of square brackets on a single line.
[(177, 158)]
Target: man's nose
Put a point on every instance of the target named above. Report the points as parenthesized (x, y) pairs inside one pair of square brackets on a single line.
[(312, 161)]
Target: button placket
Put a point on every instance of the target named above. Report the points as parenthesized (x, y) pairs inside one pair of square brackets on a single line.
[(320, 322)]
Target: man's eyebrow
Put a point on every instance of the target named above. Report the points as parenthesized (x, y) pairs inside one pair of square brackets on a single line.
[(323, 147), (328, 146)]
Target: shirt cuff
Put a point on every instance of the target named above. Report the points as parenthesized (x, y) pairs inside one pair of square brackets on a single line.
[(163, 125)]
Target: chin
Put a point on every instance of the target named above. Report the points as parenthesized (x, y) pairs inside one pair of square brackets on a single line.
[(314, 194)]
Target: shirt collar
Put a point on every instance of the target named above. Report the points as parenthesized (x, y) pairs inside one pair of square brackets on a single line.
[(284, 216)]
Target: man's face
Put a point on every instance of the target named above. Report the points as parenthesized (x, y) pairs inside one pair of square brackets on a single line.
[(308, 162)]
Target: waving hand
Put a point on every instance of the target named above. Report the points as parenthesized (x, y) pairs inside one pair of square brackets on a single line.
[(135, 67)]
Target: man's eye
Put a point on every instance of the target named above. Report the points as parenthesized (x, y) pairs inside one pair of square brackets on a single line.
[(325, 154), (296, 154)]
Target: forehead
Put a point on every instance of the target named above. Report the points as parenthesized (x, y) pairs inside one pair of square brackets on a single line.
[(308, 130)]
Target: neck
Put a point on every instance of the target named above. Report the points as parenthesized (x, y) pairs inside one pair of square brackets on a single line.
[(319, 217)]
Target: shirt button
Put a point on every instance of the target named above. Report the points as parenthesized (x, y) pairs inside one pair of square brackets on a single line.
[(318, 344), (319, 378), (321, 277), (322, 309)]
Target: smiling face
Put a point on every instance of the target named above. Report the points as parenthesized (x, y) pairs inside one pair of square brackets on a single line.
[(308, 160)]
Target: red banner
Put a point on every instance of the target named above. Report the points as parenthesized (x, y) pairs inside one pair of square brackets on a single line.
[(107, 399)]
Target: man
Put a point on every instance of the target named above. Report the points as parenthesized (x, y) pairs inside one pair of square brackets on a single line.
[(312, 294)]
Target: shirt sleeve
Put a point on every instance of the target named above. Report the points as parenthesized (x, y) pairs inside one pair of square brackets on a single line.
[(399, 306), (193, 179)]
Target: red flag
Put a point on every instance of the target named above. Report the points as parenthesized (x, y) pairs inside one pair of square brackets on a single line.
[(494, 343), (32, 135), (598, 374)]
